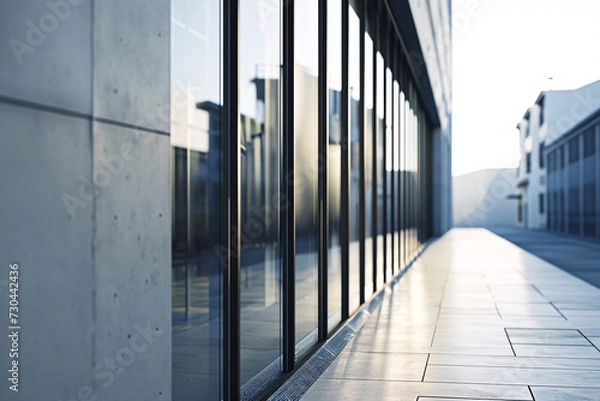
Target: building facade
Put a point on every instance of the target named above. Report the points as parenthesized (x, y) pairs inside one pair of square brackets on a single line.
[(201, 192), (574, 180), (553, 114)]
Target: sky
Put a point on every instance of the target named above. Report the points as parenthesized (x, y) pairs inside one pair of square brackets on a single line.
[(504, 52)]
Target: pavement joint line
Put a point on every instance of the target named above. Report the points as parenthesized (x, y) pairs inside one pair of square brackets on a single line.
[(591, 342), (509, 342), (425, 369)]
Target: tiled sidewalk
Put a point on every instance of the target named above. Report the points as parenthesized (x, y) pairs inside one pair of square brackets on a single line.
[(475, 318)]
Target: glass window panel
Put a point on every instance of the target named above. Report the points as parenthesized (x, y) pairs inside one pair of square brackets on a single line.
[(334, 69), (402, 178), (388, 149), (574, 210), (589, 209), (395, 172), (196, 188), (589, 142), (574, 150), (355, 130), (369, 119), (306, 102), (260, 140), (380, 169)]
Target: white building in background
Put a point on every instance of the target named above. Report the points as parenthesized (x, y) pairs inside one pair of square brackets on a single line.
[(551, 116)]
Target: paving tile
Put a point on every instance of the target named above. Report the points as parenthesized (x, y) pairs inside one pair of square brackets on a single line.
[(359, 390), (537, 309), (365, 365), (451, 399), (511, 376), (506, 350), (567, 351), (475, 338), (515, 362), (537, 322), (546, 336), (577, 306), (565, 394)]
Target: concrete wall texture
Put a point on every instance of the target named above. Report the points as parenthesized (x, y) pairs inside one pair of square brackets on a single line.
[(85, 209)]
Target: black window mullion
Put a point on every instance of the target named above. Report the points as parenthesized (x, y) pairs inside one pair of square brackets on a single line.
[(288, 215), (362, 159), (345, 165), (231, 218), (323, 110)]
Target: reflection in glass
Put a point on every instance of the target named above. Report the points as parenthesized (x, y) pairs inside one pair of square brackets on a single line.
[(369, 119), (306, 173), (380, 170), (389, 146), (402, 195), (334, 82), (396, 183), (260, 279), (354, 143), (196, 188)]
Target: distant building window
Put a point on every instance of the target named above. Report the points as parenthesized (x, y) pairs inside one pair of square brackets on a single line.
[(589, 209), (589, 142), (520, 212), (574, 150), (574, 226), (561, 152), (528, 162), (541, 111), (541, 203), (541, 155)]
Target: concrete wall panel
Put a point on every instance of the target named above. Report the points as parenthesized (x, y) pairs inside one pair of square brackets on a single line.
[(131, 55), (42, 156), (46, 52), (132, 252)]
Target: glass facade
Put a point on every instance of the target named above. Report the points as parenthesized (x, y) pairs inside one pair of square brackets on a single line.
[(297, 182)]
